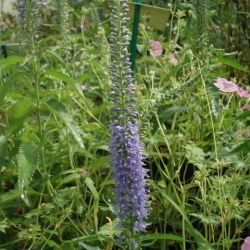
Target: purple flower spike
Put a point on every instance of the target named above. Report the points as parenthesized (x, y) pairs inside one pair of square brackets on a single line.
[(225, 86), (125, 145), (129, 176), (246, 244)]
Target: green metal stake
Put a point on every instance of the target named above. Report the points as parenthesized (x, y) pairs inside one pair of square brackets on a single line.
[(135, 34)]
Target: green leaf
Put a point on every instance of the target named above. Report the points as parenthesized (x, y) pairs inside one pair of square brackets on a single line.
[(11, 60), (3, 225), (61, 112), (55, 55), (159, 236), (243, 148), (207, 219), (68, 179), (110, 229), (6, 34), (90, 185), (169, 112), (204, 246), (235, 160), (9, 197), (88, 247), (244, 115), (232, 63), (195, 155), (195, 233), (3, 141), (93, 238), (58, 75), (86, 76), (90, 238), (18, 113), (68, 246), (53, 244), (27, 160)]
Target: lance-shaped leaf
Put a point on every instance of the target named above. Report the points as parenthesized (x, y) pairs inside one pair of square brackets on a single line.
[(27, 160), (18, 113), (11, 60), (61, 112), (233, 64)]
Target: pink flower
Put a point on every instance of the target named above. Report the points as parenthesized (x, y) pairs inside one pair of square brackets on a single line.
[(246, 244), (225, 86), (242, 93), (84, 173), (237, 134), (247, 135), (156, 49), (246, 107), (173, 59), (228, 87), (77, 63)]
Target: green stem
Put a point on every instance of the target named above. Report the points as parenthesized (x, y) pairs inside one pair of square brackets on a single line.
[(183, 221)]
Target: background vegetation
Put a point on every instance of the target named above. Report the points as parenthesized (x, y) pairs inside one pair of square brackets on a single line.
[(56, 185)]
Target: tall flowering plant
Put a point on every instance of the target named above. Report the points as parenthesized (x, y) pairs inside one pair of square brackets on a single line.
[(28, 13), (22, 5), (125, 146)]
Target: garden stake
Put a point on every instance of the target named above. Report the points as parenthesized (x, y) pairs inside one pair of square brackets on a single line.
[(158, 18), (4, 50), (135, 34)]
